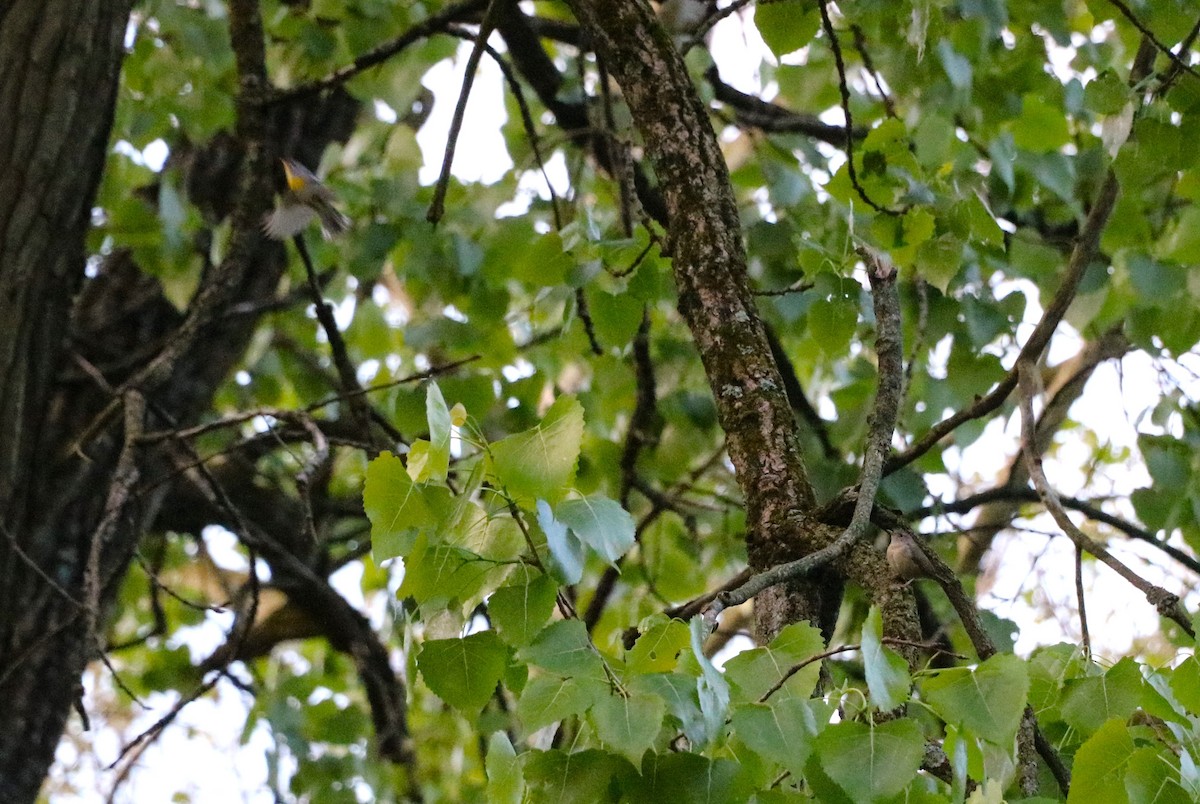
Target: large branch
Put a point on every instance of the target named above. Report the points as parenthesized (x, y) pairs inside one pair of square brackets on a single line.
[(709, 260), (716, 302)]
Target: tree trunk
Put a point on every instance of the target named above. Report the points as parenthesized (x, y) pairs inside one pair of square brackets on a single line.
[(59, 63)]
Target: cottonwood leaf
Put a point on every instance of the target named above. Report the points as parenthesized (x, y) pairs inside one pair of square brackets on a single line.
[(539, 463), (464, 672)]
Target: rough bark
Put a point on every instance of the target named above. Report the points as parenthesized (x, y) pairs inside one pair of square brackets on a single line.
[(59, 63), (76, 490), (714, 298)]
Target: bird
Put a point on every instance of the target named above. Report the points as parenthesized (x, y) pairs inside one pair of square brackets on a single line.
[(682, 17), (907, 558), (305, 198)]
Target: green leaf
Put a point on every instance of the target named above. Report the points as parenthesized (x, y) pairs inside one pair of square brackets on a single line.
[(686, 777), (939, 260), (657, 649), (564, 648), (786, 25), (505, 785), (419, 461), (1097, 775), (439, 574), (1089, 702), (519, 610), (566, 550), (886, 670), (549, 699), (957, 66), (464, 672), (782, 731), (1185, 683), (753, 672), (1153, 776), (871, 762), (1040, 128), (614, 317), (439, 432), (680, 692), (628, 724), (1106, 93), (711, 688), (600, 523), (832, 322), (398, 508), (987, 701), (1182, 241), (539, 464), (582, 777), (496, 537)]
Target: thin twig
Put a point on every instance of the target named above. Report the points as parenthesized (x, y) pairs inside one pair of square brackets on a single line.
[(531, 134), (1086, 247), (844, 88), (1166, 603), (708, 24), (347, 374), (438, 205), (1085, 507), (282, 414), (1079, 596), (1081, 257), (1175, 58), (589, 327), (860, 44)]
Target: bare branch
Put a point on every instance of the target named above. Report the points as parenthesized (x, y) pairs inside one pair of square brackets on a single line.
[(1166, 603), (437, 206)]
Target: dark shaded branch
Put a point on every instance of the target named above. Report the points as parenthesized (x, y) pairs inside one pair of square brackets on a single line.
[(844, 89), (796, 396), (771, 118), (1088, 509), (1176, 59), (437, 205), (644, 426), (1070, 379), (431, 25), (360, 408)]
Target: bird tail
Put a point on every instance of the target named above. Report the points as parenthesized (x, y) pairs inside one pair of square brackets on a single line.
[(333, 220)]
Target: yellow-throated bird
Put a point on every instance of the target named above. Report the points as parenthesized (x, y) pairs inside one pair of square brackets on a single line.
[(305, 198)]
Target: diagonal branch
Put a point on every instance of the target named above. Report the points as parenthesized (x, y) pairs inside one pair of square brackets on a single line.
[(1165, 602), (1086, 247), (1087, 508)]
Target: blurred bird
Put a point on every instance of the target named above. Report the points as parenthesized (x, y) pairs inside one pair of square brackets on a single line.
[(907, 559), (304, 199), (682, 17)]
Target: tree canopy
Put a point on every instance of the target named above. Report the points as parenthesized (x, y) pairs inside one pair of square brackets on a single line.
[(577, 485)]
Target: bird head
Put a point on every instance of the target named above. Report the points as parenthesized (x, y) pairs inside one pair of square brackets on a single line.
[(297, 175)]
